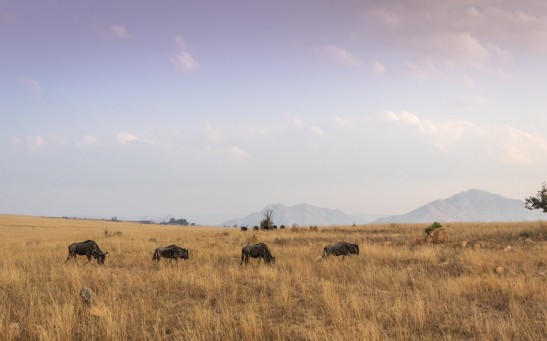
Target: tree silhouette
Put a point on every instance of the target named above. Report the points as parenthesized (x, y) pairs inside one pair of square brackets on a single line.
[(267, 222), (538, 202)]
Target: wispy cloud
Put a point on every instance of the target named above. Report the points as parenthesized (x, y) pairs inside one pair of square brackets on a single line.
[(504, 143), (378, 67), (340, 55), (317, 131), (119, 32), (125, 137), (212, 134), (239, 153), (32, 85), (183, 60), (31, 142), (89, 139)]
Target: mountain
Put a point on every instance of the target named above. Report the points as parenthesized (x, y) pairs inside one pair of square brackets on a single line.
[(470, 206), (302, 215)]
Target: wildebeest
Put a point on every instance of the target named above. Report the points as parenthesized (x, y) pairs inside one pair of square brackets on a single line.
[(341, 249), (243, 228), (171, 252), (255, 228), (259, 251), (86, 248)]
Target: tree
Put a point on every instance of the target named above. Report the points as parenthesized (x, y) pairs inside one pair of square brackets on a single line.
[(267, 222), (539, 202)]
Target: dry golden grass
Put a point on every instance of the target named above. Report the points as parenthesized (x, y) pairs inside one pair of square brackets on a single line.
[(392, 291)]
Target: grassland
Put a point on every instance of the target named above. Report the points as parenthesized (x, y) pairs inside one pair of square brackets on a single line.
[(394, 290)]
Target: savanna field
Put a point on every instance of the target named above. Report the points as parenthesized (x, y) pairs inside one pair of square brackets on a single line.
[(394, 290)]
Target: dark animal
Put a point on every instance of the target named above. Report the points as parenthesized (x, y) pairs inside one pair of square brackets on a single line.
[(341, 249), (171, 252), (259, 251), (87, 248), (255, 228), (243, 228)]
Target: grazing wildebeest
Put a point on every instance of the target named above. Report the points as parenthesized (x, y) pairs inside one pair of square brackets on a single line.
[(255, 228), (87, 248), (171, 252), (341, 249), (259, 251), (244, 228)]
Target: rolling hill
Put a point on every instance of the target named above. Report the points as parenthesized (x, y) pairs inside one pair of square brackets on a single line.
[(302, 215), (471, 206)]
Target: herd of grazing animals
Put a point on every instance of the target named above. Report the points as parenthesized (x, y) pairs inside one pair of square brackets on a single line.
[(89, 248)]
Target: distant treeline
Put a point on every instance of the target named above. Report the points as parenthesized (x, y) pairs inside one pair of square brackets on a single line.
[(180, 222)]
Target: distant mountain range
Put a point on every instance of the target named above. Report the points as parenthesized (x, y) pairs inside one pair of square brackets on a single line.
[(471, 206), (302, 215)]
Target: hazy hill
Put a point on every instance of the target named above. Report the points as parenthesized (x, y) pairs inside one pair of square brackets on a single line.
[(470, 206), (302, 215)]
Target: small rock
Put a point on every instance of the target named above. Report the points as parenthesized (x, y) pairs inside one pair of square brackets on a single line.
[(464, 243), (318, 258), (500, 270), (508, 248), (87, 295)]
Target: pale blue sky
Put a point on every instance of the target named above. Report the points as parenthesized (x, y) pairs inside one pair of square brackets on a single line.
[(129, 108)]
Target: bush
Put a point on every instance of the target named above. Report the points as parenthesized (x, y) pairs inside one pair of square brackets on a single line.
[(432, 227)]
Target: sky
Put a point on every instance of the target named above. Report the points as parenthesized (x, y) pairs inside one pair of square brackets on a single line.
[(139, 108)]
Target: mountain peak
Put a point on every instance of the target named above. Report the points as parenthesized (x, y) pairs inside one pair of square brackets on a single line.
[(473, 205)]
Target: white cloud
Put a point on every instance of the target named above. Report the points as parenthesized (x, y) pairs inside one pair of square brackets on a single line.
[(315, 130), (213, 134), (31, 142), (378, 67), (16, 140), (89, 139), (119, 32), (184, 62), (423, 70), (469, 81), (180, 42), (344, 121), (386, 17), (239, 153), (124, 137), (34, 142), (341, 55), (501, 54), (294, 120), (32, 85), (462, 49), (503, 143)]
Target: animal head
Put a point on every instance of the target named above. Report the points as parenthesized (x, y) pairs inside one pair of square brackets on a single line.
[(156, 255), (99, 256), (270, 259), (183, 253), (356, 249)]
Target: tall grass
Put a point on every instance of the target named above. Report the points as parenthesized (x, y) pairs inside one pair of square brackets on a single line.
[(391, 291)]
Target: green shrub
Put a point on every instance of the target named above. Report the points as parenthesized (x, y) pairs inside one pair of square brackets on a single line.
[(432, 227)]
